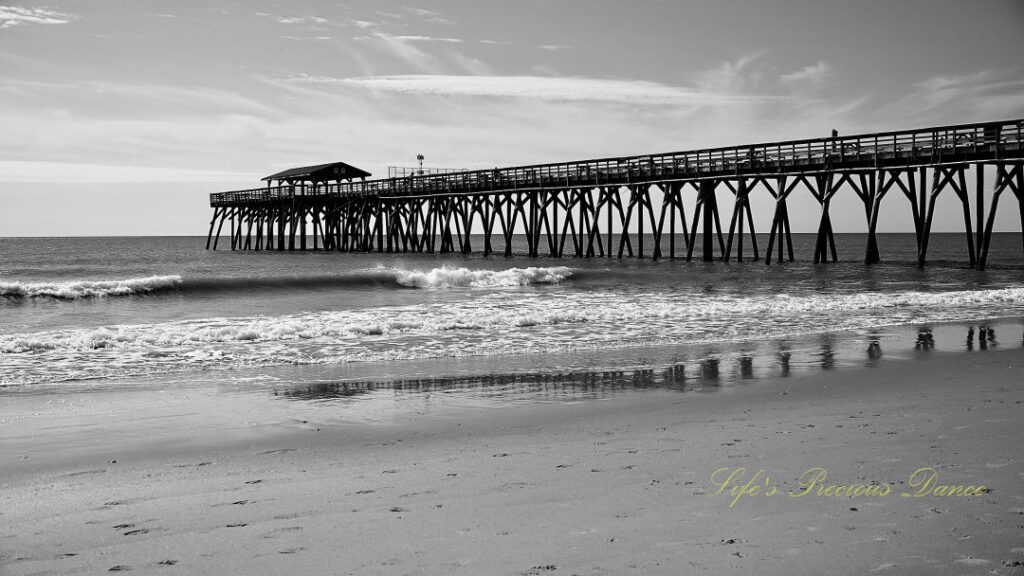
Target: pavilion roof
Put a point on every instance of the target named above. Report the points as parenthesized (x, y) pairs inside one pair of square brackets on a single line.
[(319, 173)]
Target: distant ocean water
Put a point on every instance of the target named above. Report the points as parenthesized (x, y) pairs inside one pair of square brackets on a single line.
[(104, 310)]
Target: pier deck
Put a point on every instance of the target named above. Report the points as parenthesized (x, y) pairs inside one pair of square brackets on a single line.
[(582, 202)]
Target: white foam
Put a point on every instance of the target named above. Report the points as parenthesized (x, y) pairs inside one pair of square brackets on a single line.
[(76, 289), (446, 277), (490, 323)]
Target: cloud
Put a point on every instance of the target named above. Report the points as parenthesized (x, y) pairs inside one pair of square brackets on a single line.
[(541, 88), (553, 47), (317, 38), (426, 39), (975, 97), (731, 77), (430, 16), (296, 20), (403, 49), (11, 16), (124, 100), (77, 173), (302, 20), (427, 54), (814, 76)]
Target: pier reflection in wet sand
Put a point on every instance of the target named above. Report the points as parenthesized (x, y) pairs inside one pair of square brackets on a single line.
[(715, 369)]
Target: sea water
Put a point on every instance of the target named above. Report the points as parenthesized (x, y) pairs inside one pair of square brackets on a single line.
[(110, 312)]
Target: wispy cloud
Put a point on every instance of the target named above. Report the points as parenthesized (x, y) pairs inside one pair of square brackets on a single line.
[(553, 47), (732, 77), (296, 20), (403, 49), (541, 88), (426, 54), (430, 16), (315, 38), (117, 98), (977, 96), (302, 20), (808, 77), (427, 39), (78, 173), (11, 16)]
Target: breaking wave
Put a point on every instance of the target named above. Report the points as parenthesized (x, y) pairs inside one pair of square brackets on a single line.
[(491, 323), (76, 289), (464, 277), (444, 277)]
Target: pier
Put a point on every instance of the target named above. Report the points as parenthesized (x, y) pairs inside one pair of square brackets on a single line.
[(574, 208)]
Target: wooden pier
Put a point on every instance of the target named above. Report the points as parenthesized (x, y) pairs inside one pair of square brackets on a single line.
[(572, 208)]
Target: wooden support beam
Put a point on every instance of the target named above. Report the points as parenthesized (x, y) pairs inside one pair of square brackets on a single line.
[(220, 226), (877, 189), (940, 178), (709, 204), (741, 214), (1012, 179), (825, 242), (209, 235), (979, 207)]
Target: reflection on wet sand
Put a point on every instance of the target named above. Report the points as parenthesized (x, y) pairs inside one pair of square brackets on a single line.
[(986, 338), (827, 354), (874, 351), (925, 339), (705, 373), (784, 355)]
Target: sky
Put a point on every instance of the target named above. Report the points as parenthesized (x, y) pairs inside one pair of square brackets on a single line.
[(120, 117)]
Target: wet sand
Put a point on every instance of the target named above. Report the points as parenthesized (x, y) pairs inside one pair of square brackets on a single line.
[(621, 485)]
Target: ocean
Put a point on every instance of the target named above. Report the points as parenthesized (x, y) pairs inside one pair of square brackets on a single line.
[(111, 313)]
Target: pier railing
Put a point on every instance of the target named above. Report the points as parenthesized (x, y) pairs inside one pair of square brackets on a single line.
[(928, 146)]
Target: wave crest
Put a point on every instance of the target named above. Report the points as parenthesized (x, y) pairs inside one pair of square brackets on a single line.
[(77, 289), (376, 278), (465, 278)]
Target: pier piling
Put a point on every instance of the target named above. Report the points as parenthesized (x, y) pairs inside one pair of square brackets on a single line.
[(333, 207)]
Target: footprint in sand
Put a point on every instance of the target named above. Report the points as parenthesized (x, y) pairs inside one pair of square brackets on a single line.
[(235, 503), (107, 505), (277, 531), (84, 472), (971, 561)]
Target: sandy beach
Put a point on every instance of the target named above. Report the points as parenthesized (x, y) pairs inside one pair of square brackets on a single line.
[(616, 486)]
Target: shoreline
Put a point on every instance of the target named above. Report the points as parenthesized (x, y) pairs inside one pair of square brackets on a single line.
[(892, 339), (617, 485)]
